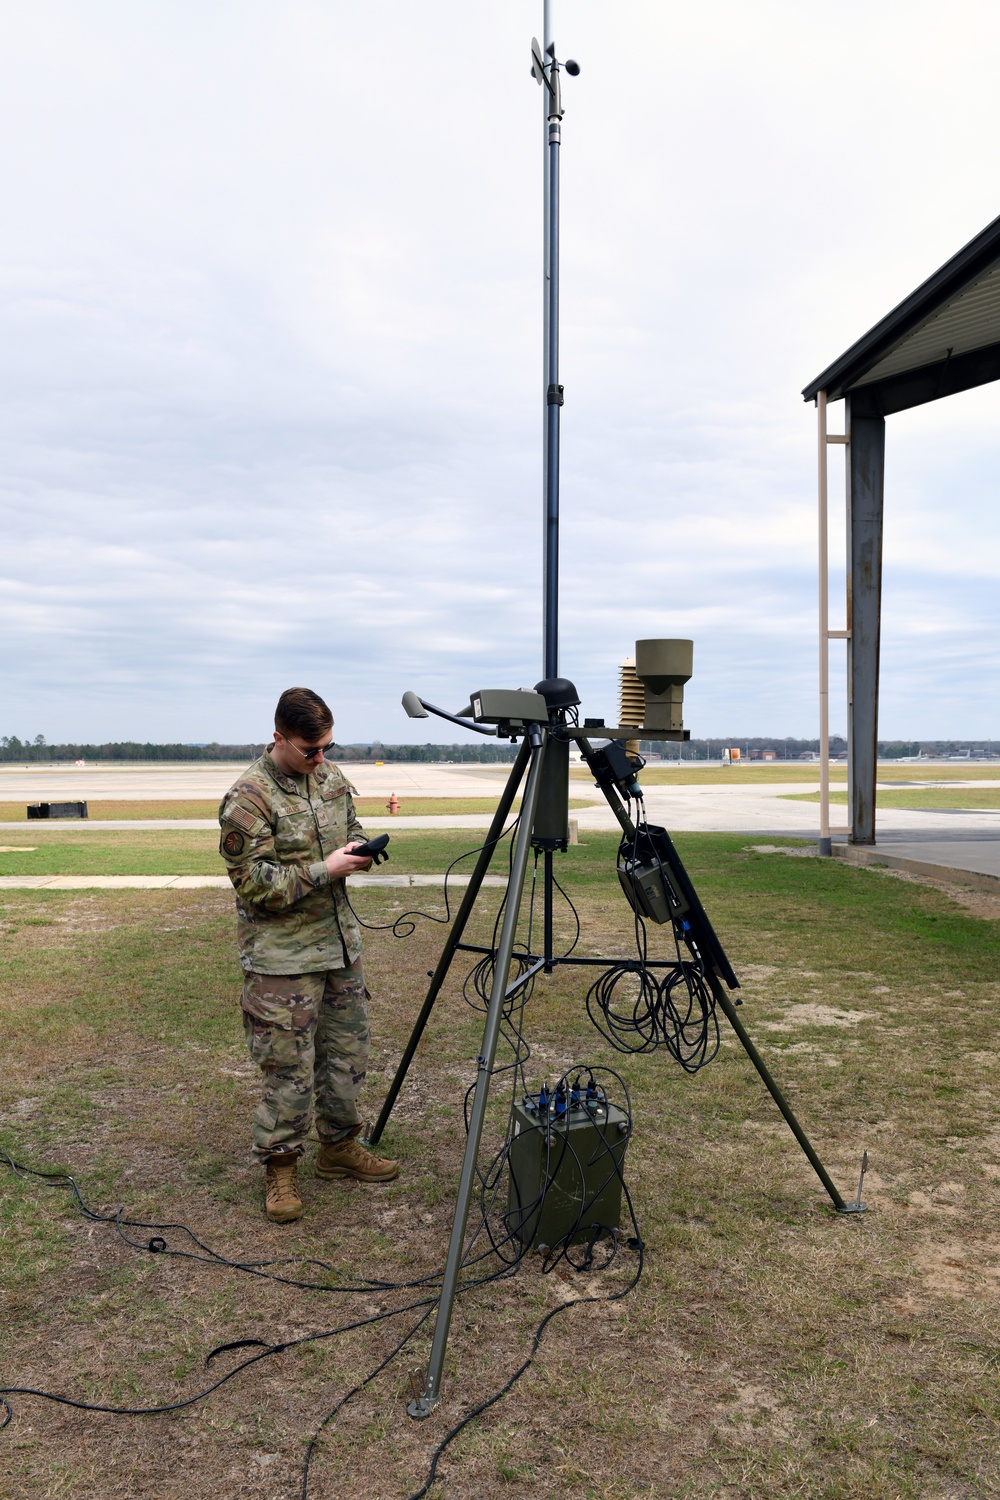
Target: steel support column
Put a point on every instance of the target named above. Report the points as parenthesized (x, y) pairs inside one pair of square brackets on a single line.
[(825, 844), (865, 476)]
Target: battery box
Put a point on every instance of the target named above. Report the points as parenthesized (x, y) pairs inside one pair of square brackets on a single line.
[(569, 1161)]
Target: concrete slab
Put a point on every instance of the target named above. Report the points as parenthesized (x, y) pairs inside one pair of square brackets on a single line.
[(78, 825), (205, 882), (112, 782), (124, 825), (963, 868), (110, 882), (976, 853)]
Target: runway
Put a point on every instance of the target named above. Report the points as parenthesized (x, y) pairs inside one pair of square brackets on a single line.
[(109, 782), (962, 839)]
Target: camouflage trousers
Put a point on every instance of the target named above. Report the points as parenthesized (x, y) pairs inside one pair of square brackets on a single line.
[(309, 1035)]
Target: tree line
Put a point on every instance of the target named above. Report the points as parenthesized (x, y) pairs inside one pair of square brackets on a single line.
[(14, 750)]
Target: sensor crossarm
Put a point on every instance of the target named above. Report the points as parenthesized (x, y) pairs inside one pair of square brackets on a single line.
[(412, 703)]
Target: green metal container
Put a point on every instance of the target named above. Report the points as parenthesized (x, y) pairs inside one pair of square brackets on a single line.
[(576, 1161)]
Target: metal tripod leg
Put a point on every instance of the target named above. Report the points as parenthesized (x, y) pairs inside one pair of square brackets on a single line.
[(423, 1405), (454, 936), (548, 877), (732, 1016)]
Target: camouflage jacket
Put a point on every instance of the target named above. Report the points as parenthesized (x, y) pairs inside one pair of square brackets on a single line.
[(276, 833)]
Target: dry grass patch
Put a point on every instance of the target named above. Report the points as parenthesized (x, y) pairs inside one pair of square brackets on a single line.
[(101, 811), (986, 799), (771, 1349)]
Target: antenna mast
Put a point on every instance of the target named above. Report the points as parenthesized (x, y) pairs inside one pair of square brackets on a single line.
[(546, 69)]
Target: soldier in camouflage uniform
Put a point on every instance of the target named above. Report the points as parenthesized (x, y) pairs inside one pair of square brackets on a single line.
[(288, 826)]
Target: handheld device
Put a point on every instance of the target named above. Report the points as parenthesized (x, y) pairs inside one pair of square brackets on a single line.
[(374, 849)]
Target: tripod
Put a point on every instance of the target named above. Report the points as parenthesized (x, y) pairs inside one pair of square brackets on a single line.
[(546, 726), (542, 763)]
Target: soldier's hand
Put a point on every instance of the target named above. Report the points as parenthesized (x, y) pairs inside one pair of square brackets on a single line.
[(342, 862)]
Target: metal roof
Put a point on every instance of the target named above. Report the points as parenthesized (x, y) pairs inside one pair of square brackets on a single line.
[(944, 337)]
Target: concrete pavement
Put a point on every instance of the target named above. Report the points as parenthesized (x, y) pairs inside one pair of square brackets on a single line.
[(110, 782), (977, 851)]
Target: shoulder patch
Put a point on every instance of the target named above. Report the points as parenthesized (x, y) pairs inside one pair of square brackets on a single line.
[(234, 843), (234, 813)]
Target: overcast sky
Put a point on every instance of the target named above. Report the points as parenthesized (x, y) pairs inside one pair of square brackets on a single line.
[(270, 297)]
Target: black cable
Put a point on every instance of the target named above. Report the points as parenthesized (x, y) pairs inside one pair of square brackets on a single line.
[(636, 1243), (477, 1411), (405, 924), (505, 1242), (311, 1447), (158, 1245), (265, 1353), (675, 1010), (576, 917)]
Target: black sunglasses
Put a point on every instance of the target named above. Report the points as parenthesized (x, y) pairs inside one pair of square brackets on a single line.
[(315, 750)]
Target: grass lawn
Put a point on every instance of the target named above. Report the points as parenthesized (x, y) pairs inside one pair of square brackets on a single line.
[(936, 797), (195, 851), (691, 773), (147, 851), (102, 812), (771, 1350)]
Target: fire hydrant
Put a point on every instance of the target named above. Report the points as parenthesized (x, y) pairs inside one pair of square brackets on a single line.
[(393, 805)]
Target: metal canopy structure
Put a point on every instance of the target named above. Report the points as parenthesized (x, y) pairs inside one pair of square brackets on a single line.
[(941, 339)]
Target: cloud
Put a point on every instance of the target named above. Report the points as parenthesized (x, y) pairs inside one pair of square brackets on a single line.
[(270, 304)]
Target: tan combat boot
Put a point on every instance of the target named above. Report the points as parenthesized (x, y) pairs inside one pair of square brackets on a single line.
[(350, 1159), (282, 1203)]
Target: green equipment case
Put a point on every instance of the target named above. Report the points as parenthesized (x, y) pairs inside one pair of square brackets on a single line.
[(566, 1173)]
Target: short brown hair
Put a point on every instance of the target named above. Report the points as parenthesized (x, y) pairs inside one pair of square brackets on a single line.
[(301, 711)]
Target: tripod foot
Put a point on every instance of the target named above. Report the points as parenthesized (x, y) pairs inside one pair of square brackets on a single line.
[(422, 1404), (857, 1207)]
